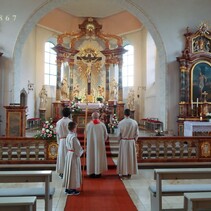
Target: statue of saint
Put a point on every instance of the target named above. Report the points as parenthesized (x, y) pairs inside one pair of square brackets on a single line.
[(114, 89), (64, 89), (43, 98), (131, 100)]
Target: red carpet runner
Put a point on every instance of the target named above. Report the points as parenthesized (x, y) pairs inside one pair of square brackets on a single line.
[(107, 193)]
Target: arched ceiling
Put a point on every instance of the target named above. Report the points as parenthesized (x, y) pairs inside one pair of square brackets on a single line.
[(92, 8)]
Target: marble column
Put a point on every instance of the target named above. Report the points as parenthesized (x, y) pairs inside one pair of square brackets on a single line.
[(71, 65), (120, 92), (58, 81), (107, 82)]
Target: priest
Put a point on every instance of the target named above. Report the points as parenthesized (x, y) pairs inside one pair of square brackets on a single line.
[(97, 135)]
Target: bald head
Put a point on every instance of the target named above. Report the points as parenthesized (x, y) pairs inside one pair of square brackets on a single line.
[(95, 115)]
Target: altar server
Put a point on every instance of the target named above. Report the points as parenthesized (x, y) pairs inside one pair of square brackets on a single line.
[(97, 135), (62, 131), (72, 171), (128, 135)]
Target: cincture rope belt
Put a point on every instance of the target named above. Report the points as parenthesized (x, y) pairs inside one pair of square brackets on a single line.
[(128, 138)]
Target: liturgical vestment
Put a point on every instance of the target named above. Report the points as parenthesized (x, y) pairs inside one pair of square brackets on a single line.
[(127, 159), (72, 171), (96, 159), (61, 132)]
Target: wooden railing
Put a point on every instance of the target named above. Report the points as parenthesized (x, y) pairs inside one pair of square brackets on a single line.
[(27, 150), (174, 149), (149, 149)]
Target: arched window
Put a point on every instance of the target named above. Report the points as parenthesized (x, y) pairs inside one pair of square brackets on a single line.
[(50, 65), (128, 67), (151, 60)]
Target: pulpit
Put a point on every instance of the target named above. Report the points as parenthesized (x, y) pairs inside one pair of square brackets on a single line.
[(15, 120)]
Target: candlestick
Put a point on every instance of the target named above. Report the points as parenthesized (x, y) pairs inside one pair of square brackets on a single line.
[(192, 104), (197, 102)]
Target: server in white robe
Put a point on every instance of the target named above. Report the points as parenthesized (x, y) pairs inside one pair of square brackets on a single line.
[(72, 171), (97, 135), (62, 131), (128, 135)]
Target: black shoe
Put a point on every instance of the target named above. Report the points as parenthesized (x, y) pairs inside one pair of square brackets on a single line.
[(97, 175), (76, 193), (92, 175), (70, 192)]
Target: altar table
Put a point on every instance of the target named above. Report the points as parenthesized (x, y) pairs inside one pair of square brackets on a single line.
[(192, 128)]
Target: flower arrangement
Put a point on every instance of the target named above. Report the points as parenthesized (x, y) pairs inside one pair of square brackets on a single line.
[(48, 130), (114, 122), (74, 107)]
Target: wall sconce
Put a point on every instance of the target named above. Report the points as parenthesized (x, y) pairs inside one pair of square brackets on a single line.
[(30, 86)]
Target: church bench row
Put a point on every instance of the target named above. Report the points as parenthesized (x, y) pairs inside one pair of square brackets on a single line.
[(197, 201), (26, 167), (45, 192), (158, 190), (27, 203)]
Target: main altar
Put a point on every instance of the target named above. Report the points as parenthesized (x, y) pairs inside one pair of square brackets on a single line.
[(89, 70)]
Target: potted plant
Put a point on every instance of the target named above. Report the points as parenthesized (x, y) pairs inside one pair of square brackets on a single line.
[(100, 99), (208, 116), (77, 99)]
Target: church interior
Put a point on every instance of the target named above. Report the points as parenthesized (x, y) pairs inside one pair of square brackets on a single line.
[(153, 57)]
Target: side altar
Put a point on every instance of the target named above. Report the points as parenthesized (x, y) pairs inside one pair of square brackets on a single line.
[(195, 77), (197, 128)]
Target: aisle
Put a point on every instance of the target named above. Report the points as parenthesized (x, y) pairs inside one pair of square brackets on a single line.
[(106, 193)]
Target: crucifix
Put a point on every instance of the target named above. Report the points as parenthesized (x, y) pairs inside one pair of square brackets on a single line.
[(205, 96), (89, 57)]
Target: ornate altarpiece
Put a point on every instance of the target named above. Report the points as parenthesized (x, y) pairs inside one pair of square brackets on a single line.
[(195, 77), (91, 56)]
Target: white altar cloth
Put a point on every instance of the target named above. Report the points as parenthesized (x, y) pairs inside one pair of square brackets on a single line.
[(190, 127), (91, 106)]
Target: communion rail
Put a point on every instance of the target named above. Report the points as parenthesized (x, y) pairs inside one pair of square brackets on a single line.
[(174, 149), (26, 150)]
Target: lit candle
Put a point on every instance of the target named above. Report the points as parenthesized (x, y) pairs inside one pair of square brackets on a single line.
[(197, 102)]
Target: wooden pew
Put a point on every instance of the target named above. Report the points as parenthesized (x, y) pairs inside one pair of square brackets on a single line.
[(158, 190), (18, 203), (29, 176), (27, 167), (197, 201)]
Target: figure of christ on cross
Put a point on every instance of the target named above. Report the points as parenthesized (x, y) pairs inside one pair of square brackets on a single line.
[(90, 58)]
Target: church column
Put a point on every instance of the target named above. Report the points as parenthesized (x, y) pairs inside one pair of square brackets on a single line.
[(71, 65), (120, 92), (107, 82), (58, 80)]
